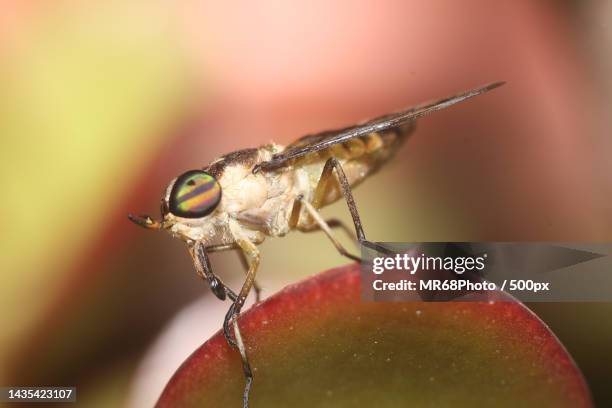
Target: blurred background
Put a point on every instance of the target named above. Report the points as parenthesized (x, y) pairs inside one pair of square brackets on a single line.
[(102, 103)]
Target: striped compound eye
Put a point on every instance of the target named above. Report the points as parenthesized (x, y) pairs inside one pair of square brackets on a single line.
[(195, 194)]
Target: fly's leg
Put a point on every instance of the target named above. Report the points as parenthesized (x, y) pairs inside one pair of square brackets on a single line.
[(326, 229), (321, 190), (231, 318), (318, 201), (246, 367), (227, 321), (319, 223), (251, 254), (256, 287), (333, 223), (319, 197), (345, 186), (202, 264), (223, 247)]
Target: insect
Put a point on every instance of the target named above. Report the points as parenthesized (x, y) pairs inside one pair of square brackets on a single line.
[(243, 197)]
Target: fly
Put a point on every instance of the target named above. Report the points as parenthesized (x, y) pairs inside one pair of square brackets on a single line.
[(243, 197)]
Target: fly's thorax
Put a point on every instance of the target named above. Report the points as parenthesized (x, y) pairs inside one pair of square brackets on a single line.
[(245, 191), (259, 202)]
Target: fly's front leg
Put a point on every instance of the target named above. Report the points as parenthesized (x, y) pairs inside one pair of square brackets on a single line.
[(202, 264), (224, 247), (251, 255)]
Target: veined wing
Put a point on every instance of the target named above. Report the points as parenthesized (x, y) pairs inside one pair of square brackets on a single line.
[(314, 143)]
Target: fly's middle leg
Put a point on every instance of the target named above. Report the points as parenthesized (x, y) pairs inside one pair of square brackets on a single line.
[(251, 255), (323, 225), (256, 287), (333, 223)]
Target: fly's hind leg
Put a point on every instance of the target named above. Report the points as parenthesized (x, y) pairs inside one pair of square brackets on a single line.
[(199, 254), (345, 186), (322, 188)]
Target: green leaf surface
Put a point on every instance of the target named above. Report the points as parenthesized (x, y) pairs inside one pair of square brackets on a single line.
[(317, 343)]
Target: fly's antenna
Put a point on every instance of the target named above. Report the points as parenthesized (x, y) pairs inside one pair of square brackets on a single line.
[(146, 221)]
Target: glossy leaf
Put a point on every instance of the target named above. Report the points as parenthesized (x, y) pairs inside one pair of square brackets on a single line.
[(317, 343)]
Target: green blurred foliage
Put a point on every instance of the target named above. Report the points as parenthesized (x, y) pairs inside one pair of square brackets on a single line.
[(87, 91)]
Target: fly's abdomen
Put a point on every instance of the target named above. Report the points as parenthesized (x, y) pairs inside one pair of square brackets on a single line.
[(359, 157), (375, 149), (363, 156)]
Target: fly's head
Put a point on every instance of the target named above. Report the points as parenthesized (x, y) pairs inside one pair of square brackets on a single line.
[(188, 208)]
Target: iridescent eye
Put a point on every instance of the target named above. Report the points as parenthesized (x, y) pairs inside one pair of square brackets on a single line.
[(195, 194)]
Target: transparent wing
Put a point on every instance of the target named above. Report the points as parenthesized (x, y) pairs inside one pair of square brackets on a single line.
[(314, 143)]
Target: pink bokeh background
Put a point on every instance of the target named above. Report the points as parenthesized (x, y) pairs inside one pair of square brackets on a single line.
[(526, 162)]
